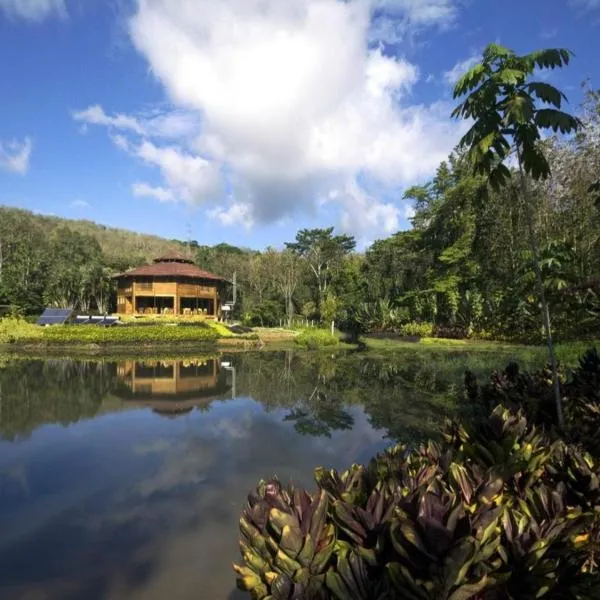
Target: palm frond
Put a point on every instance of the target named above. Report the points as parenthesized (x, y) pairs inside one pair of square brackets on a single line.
[(546, 93), (470, 80), (550, 58), (557, 120)]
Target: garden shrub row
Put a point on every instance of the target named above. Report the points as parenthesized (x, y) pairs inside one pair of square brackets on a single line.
[(17, 331)]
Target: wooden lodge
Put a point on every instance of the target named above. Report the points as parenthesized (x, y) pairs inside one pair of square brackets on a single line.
[(172, 285)]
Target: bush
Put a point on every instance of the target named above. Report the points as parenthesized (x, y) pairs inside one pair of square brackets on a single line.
[(316, 338), (415, 329), (15, 329), (534, 395), (499, 509)]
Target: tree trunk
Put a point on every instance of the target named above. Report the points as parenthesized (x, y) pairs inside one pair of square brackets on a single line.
[(542, 293)]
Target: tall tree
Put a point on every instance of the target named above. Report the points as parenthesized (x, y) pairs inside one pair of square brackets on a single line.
[(323, 253), (505, 105)]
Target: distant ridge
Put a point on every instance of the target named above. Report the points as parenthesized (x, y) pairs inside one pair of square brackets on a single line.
[(118, 245)]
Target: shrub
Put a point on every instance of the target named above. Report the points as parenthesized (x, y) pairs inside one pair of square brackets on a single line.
[(316, 338), (16, 329), (534, 395), (498, 509), (416, 329), (82, 334)]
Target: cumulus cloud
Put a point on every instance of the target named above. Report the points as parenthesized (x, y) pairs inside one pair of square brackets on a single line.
[(237, 213), (15, 155), (144, 190), (291, 103), (460, 68), (33, 10)]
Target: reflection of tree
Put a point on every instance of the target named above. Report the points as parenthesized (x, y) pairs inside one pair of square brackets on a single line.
[(35, 393), (404, 394), (319, 416)]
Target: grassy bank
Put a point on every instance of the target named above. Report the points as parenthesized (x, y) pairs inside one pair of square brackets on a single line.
[(567, 353), (172, 336)]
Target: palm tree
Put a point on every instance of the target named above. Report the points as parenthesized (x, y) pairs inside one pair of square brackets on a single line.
[(509, 112)]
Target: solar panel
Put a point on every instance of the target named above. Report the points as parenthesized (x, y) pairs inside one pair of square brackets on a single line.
[(81, 320), (55, 316)]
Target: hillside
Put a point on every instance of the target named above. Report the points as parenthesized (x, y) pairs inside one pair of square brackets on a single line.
[(119, 246)]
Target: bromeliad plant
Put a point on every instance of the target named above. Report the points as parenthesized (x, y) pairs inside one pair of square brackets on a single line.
[(488, 513)]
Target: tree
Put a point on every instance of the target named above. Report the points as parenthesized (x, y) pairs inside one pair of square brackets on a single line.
[(323, 252), (287, 277), (505, 105)]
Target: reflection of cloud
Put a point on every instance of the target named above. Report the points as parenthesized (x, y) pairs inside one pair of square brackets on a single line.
[(14, 479), (186, 464), (235, 428), (160, 445), (167, 515)]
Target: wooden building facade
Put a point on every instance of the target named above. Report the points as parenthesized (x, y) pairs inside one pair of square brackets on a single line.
[(172, 285)]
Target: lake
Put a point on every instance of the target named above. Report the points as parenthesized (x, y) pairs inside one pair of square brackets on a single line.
[(125, 479)]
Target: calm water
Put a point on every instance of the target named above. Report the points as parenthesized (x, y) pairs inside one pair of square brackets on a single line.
[(126, 479)]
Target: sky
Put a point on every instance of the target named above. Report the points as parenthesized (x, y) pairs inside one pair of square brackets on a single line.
[(242, 121)]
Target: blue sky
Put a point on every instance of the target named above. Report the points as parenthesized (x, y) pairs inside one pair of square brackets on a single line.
[(244, 120)]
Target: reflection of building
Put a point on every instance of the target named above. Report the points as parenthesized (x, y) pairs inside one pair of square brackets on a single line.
[(172, 285), (172, 387)]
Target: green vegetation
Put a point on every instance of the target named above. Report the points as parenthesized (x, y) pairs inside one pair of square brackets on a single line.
[(504, 506), (504, 103), (17, 331), (316, 338), (490, 244)]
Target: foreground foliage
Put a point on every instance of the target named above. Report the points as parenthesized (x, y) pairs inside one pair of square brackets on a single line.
[(500, 508)]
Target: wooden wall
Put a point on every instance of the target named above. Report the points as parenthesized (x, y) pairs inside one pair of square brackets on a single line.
[(128, 290)]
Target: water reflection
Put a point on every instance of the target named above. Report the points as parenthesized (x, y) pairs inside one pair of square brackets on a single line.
[(172, 388), (405, 398), (102, 497)]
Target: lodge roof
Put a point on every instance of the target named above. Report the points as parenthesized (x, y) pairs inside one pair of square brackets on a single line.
[(171, 265)]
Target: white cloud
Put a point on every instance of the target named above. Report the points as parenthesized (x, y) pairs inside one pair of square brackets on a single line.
[(362, 214), (33, 10), (79, 204), (237, 213), (144, 190), (288, 102), (193, 178), (460, 68), (171, 124), (15, 155), (95, 115), (409, 211), (397, 19)]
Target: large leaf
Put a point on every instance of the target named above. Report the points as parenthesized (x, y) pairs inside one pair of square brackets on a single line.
[(557, 120), (510, 76), (546, 93), (550, 58), (518, 109), (495, 51), (470, 80)]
